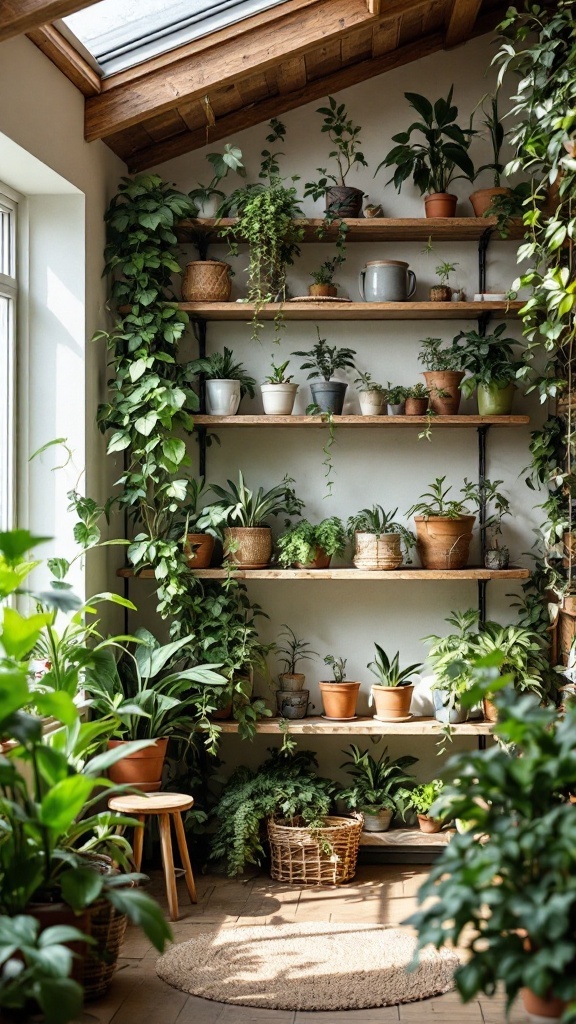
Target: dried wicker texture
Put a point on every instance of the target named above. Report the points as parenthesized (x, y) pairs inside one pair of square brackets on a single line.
[(107, 926), (253, 546), (206, 281), (299, 854)]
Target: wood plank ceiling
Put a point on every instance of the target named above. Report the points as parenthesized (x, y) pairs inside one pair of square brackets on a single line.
[(275, 61)]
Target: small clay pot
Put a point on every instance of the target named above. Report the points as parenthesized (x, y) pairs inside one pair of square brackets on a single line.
[(320, 561), (292, 705), (322, 289), (444, 543), (482, 199), (440, 293), (444, 380), (416, 406), (392, 702), (198, 550), (374, 553), (292, 682), (548, 1008), (490, 710), (339, 699), (428, 824), (440, 204), (140, 767)]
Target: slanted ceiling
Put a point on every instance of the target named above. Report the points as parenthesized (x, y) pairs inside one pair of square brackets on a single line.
[(275, 61)]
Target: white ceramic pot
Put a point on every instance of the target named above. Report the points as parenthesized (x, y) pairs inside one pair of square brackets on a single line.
[(278, 399), (222, 397), (372, 403), (379, 822), (208, 207)]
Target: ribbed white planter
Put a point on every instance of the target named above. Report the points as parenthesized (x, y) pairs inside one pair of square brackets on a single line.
[(278, 399), (222, 397), (372, 403)]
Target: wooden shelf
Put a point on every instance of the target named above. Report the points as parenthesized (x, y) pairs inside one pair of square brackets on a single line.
[(361, 421), (349, 574), (242, 311), (400, 837), (375, 229), (316, 725)]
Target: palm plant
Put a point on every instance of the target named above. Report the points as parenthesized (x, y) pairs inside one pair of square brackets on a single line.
[(240, 506), (388, 673), (377, 784)]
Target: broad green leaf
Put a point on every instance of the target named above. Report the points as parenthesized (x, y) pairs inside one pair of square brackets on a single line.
[(20, 633), (80, 887), (64, 802)]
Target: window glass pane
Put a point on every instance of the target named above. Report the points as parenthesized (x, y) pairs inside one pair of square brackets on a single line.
[(6, 246), (6, 411)]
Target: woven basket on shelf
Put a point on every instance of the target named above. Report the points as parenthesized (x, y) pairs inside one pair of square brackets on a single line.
[(322, 856), (206, 281), (107, 926)]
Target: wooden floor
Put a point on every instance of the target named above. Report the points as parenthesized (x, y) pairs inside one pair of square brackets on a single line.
[(379, 894)]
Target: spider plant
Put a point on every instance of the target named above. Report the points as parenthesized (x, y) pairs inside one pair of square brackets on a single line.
[(377, 521), (240, 506), (388, 673)]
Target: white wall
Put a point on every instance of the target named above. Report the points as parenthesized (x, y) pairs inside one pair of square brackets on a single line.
[(388, 467), (68, 183)]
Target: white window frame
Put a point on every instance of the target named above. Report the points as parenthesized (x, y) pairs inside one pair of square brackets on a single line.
[(9, 289)]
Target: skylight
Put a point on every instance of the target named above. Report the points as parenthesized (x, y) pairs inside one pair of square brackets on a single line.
[(118, 34)]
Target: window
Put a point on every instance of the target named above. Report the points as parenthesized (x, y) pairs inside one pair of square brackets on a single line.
[(8, 307)]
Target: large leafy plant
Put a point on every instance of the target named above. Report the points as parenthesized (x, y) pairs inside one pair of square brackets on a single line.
[(324, 360), (237, 505), (377, 784), (300, 543), (487, 358)]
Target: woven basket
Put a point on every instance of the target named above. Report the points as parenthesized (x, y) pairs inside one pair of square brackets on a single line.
[(206, 281), (300, 855), (252, 544), (107, 926)]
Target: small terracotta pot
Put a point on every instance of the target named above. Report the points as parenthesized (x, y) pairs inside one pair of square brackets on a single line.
[(482, 199), (198, 550), (254, 546), (292, 681), (320, 561), (222, 713), (292, 705), (392, 702), (322, 289), (444, 543), (440, 204), (490, 710), (550, 1008), (428, 824), (444, 380), (374, 553), (440, 293), (416, 406), (141, 767), (339, 699)]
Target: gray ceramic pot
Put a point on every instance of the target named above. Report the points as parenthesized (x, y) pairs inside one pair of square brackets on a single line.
[(292, 705), (329, 396)]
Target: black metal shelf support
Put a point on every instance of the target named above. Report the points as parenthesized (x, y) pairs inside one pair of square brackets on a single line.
[(199, 328)]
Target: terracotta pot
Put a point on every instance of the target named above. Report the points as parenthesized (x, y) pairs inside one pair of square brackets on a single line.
[(222, 713), (392, 702), (339, 699), (322, 289), (143, 766), (440, 293), (440, 204), (490, 710), (320, 561), (416, 406), (550, 1008), (292, 681), (373, 553), (444, 543), (428, 824), (482, 199), (198, 550), (344, 201), (253, 546), (207, 281), (444, 380)]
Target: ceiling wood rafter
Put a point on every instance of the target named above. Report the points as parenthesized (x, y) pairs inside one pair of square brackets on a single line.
[(66, 58), (19, 16)]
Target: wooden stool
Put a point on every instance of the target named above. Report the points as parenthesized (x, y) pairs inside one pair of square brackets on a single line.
[(165, 806)]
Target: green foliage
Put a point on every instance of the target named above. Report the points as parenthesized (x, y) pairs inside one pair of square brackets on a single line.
[(365, 382), (338, 666), (434, 356), (432, 163), (510, 900), (221, 366), (395, 394), (326, 270), (323, 360), (37, 967), (418, 391), (344, 136), (377, 784), (377, 521), (222, 164), (300, 543), (422, 797), (279, 375), (487, 358), (439, 504), (283, 786), (388, 672), (240, 506), (496, 135), (293, 650)]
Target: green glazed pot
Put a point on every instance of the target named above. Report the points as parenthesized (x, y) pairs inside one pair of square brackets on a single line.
[(494, 400)]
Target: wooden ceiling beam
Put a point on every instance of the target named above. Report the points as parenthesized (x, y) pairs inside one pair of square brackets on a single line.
[(19, 16), (66, 58), (283, 36), (461, 20)]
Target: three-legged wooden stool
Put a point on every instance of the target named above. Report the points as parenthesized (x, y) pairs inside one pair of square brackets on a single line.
[(164, 806)]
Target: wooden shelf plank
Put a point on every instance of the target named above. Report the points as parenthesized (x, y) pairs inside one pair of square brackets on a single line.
[(242, 311), (361, 421), (375, 229), (361, 726), (400, 837), (404, 574)]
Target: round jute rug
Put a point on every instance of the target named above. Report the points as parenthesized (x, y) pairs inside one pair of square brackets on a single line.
[(307, 967)]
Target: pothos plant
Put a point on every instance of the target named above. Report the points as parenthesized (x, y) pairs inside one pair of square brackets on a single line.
[(537, 45)]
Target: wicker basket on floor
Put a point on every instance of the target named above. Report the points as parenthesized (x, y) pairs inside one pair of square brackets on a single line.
[(319, 856), (106, 925)]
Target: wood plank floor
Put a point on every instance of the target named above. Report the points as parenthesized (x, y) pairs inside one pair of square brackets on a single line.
[(378, 894)]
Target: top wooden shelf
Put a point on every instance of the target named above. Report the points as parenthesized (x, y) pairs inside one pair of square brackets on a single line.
[(374, 229)]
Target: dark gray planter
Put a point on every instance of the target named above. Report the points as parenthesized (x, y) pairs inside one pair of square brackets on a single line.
[(329, 396), (292, 705)]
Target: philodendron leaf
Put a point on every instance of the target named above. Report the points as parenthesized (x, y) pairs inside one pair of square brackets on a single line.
[(64, 802), (81, 887)]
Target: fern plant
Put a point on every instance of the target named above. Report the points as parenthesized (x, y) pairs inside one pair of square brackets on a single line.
[(377, 784)]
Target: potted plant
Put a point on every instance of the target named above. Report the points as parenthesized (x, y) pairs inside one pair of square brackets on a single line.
[(417, 399), (443, 375), (150, 695), (323, 278), (240, 516), (516, 916), (342, 200), (306, 546), (323, 361), (442, 292), (432, 163), (444, 525), (496, 555), (198, 547), (226, 382), (371, 395), (278, 392), (522, 657), (392, 695), (380, 788), (379, 539), (451, 658), (293, 650), (339, 695), (493, 372), (395, 399), (421, 799), (208, 198), (482, 198)]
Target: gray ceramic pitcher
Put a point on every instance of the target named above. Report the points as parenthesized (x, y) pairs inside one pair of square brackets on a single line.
[(387, 281)]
